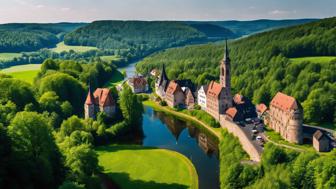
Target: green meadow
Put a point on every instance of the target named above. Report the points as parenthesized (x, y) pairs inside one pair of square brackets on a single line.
[(60, 47), (9, 56), (23, 72), (109, 58), (316, 59), (134, 166)]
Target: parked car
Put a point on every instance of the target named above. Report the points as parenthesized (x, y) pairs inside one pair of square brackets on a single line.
[(259, 138), (254, 131)]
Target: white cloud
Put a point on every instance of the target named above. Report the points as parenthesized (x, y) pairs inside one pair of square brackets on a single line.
[(282, 12), (39, 6), (65, 9)]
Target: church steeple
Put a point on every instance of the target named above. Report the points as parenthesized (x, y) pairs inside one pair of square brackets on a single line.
[(226, 53), (163, 76), (225, 78)]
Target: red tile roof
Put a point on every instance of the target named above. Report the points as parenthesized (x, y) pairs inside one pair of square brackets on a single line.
[(214, 89), (172, 87), (103, 97), (231, 112), (284, 102), (89, 99), (261, 108)]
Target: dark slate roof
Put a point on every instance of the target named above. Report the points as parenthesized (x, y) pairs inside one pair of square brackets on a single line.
[(226, 53), (186, 83)]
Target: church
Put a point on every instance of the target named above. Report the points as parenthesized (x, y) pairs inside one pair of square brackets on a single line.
[(218, 96)]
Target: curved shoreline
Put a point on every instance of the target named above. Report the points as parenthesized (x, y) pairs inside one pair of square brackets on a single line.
[(104, 151), (213, 131)]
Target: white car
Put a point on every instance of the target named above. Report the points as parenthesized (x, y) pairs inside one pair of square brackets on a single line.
[(259, 138)]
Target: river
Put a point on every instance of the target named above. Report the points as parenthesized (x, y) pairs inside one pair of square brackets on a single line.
[(165, 131)]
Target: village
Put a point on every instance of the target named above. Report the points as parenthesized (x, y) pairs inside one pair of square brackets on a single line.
[(236, 112)]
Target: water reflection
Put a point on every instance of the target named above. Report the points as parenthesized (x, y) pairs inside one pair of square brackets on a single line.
[(166, 131)]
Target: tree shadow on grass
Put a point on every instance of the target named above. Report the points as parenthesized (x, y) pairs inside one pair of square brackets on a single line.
[(124, 182), (114, 148)]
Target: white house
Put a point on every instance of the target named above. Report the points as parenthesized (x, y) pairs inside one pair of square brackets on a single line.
[(201, 96)]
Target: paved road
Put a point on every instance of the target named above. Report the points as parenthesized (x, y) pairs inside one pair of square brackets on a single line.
[(247, 129)]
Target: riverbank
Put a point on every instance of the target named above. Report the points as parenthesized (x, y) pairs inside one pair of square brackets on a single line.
[(201, 125), (134, 166)]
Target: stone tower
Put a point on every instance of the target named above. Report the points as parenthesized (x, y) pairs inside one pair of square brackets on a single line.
[(225, 77), (294, 128), (89, 106)]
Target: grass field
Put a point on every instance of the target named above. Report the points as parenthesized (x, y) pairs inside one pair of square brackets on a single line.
[(9, 56), (63, 47), (134, 166), (316, 59), (21, 68), (110, 58), (23, 72), (27, 76)]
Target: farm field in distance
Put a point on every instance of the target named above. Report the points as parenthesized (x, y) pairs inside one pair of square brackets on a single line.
[(317, 59), (63, 47), (133, 166), (23, 72), (9, 56)]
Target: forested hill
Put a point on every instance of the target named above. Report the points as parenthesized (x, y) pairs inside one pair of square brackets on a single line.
[(241, 28), (261, 66), (18, 37), (142, 36), (213, 31)]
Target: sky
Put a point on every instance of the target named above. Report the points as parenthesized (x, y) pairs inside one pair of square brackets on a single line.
[(90, 10)]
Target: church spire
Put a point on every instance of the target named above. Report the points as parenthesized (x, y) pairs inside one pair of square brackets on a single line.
[(163, 76), (226, 53), (89, 99)]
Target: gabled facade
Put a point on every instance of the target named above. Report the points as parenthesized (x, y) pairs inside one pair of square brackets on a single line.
[(321, 142), (100, 101), (190, 98), (216, 100), (174, 95), (201, 96), (138, 84), (285, 117)]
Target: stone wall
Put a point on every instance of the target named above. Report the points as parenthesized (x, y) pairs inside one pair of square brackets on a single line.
[(244, 140)]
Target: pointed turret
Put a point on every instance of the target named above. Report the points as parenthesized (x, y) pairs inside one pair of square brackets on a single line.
[(89, 99), (226, 53), (163, 76)]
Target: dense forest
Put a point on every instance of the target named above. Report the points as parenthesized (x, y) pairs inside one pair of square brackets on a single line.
[(44, 141), (279, 168), (261, 66), (141, 36), (213, 31), (31, 37)]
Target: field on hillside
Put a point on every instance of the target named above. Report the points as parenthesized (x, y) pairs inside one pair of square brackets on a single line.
[(20, 68), (23, 72), (9, 56), (133, 166), (317, 59), (27, 76), (110, 58), (63, 47)]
